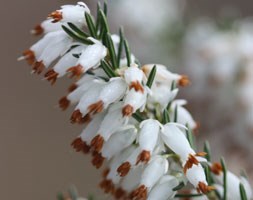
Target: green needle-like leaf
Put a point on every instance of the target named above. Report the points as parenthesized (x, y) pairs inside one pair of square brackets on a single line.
[(151, 77), (128, 54), (107, 69), (189, 136), (112, 51), (166, 117), (242, 192), (105, 8), (104, 21), (76, 36), (208, 151), (224, 169), (78, 30), (91, 25), (173, 85), (176, 114), (179, 187), (98, 21), (208, 175), (137, 115), (121, 43), (187, 195)]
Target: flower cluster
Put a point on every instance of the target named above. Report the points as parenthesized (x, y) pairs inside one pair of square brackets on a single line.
[(132, 122)]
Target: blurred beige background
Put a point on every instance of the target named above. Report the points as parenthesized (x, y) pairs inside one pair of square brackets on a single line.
[(36, 158)]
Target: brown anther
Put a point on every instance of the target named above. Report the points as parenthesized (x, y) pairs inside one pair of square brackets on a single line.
[(72, 87), (29, 56), (51, 76), (64, 103), (216, 168), (201, 154), (38, 67), (144, 157), (107, 186), (56, 16), (127, 111), (38, 30), (97, 143), (124, 168), (105, 173), (85, 119), (136, 86), (76, 71), (120, 194), (80, 145), (184, 81), (76, 117), (141, 193), (96, 107), (192, 160), (97, 159), (203, 188)]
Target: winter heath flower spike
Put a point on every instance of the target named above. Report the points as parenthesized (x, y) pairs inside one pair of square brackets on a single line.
[(132, 122)]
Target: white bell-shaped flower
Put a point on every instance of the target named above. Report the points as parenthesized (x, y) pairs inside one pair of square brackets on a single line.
[(148, 137), (71, 13), (183, 116), (126, 166), (90, 58), (163, 75), (197, 178), (150, 176), (134, 101), (46, 27), (82, 143), (66, 61), (112, 92), (176, 140), (134, 77), (118, 142), (110, 125), (163, 190), (161, 94), (88, 98)]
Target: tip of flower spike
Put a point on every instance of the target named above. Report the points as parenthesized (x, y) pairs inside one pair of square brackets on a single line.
[(76, 71), (143, 157), (72, 87), (124, 168), (107, 186), (80, 145), (137, 86), (97, 159), (56, 16), (38, 30), (216, 168), (141, 193), (51, 76), (184, 81), (29, 56), (127, 110), (203, 188), (96, 107), (38, 67), (97, 143), (64, 103)]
